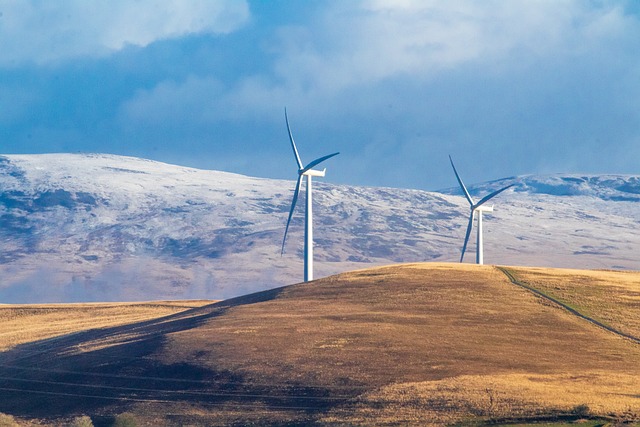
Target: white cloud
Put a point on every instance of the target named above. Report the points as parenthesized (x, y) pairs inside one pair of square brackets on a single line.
[(47, 31), (350, 46), (354, 44), (424, 37)]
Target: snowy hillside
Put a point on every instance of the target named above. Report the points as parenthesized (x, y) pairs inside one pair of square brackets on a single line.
[(619, 188), (77, 227)]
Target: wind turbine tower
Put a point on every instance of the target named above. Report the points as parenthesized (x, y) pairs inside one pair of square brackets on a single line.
[(308, 172), (476, 208)]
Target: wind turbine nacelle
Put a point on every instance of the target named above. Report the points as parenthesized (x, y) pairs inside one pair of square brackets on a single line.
[(484, 208), (312, 172)]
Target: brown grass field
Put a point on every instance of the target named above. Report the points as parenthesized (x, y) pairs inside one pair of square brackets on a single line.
[(23, 323), (418, 344), (611, 297)]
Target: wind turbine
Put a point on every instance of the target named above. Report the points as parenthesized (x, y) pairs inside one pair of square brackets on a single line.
[(307, 171), (479, 208)]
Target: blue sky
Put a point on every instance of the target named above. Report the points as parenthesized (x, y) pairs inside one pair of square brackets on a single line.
[(506, 87)]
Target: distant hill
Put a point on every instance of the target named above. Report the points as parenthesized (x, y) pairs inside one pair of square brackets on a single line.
[(403, 345), (95, 227), (618, 188)]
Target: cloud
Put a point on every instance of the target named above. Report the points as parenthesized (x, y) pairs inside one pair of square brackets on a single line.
[(522, 86), (353, 45), (43, 32), (171, 102), (356, 44)]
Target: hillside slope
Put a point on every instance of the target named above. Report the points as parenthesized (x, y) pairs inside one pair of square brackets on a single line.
[(93, 227), (25, 323), (399, 345)]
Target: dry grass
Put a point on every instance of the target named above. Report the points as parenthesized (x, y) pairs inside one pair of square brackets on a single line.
[(497, 397), (23, 323), (611, 297), (397, 324), (426, 324), (400, 345)]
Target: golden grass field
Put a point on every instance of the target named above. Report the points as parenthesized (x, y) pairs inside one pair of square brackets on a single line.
[(416, 344), (23, 323), (612, 297)]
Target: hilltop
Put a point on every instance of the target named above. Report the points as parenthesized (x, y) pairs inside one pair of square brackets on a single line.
[(399, 345), (99, 227)]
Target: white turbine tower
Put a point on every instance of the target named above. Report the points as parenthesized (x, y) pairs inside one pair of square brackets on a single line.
[(479, 208), (308, 217)]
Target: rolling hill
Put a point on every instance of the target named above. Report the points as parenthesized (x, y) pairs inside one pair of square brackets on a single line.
[(412, 344), (95, 227)]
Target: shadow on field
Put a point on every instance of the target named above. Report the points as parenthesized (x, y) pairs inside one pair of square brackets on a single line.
[(105, 371), (409, 344)]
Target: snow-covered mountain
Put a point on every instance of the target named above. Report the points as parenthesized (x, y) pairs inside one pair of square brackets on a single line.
[(93, 227)]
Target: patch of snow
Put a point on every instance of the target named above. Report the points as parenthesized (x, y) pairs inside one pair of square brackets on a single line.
[(96, 227)]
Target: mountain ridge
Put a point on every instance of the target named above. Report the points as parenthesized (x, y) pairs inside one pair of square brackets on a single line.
[(102, 227), (613, 187)]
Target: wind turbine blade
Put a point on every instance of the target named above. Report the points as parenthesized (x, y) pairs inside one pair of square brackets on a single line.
[(466, 238), (492, 195), (317, 162), (466, 193), (293, 144), (293, 206)]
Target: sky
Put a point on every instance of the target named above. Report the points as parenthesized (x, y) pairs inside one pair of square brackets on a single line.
[(507, 87)]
